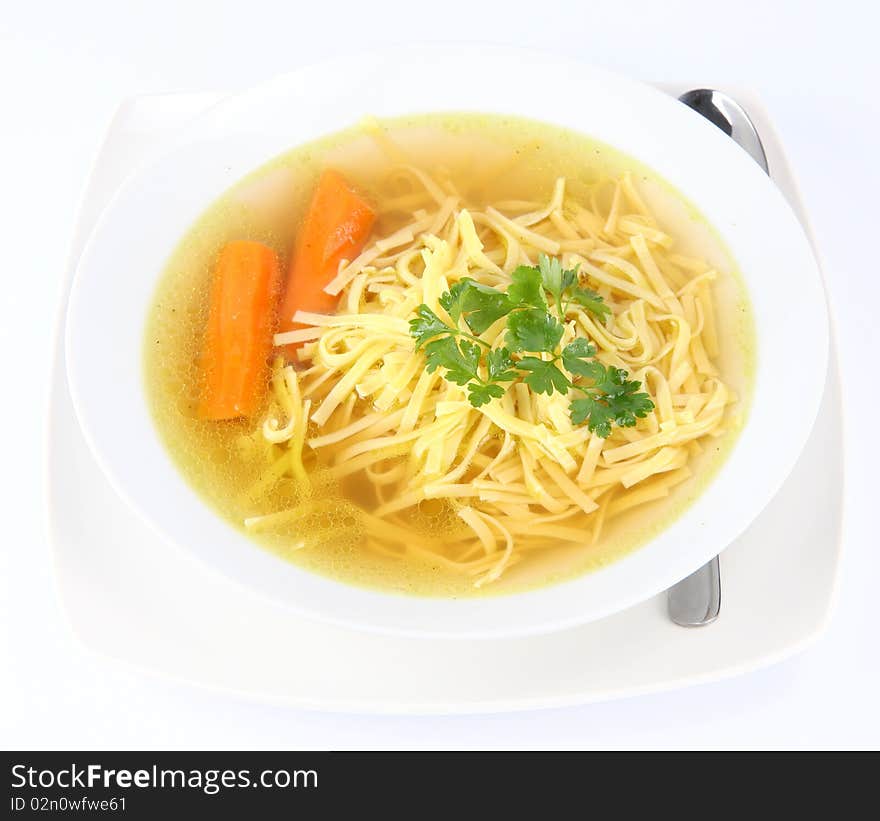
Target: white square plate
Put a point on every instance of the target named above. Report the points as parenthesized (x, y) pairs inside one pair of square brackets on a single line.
[(139, 600)]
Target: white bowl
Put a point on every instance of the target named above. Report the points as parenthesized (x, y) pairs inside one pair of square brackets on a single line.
[(117, 275)]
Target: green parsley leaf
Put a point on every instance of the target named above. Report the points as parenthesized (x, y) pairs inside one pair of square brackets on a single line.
[(597, 415), (592, 301), (637, 406), (460, 359), (543, 377), (453, 301), (563, 283), (500, 366), (613, 381), (611, 398), (480, 305), (526, 288), (555, 278), (533, 329), (577, 357), (480, 394), (484, 307), (426, 325)]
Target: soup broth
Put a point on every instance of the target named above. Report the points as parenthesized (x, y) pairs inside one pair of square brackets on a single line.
[(491, 162)]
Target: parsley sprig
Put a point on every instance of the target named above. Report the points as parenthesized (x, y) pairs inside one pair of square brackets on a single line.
[(531, 350), (562, 284)]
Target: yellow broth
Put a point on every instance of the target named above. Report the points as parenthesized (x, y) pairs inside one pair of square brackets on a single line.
[(489, 159)]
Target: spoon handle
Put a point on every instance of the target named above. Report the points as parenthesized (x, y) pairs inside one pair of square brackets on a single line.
[(696, 599), (725, 112)]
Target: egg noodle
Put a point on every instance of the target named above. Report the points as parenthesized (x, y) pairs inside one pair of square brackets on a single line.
[(520, 477)]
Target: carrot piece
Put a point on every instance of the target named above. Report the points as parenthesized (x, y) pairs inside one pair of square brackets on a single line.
[(238, 338), (336, 226)]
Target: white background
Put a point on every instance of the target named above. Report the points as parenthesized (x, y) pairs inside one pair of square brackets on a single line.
[(64, 67)]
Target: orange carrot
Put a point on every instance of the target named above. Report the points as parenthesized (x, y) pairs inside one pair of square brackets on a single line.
[(238, 339), (337, 224)]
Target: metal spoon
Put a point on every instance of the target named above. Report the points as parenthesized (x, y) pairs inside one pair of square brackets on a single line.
[(696, 600), (730, 117)]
